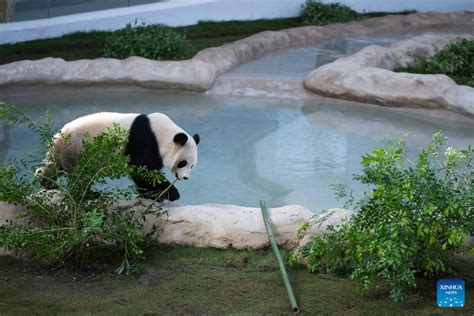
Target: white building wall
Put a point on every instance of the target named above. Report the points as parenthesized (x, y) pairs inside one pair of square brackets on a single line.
[(187, 12)]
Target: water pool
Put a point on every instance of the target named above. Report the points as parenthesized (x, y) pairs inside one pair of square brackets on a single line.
[(284, 151), (298, 62)]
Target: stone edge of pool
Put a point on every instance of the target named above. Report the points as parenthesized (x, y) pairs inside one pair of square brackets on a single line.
[(200, 72), (366, 76), (223, 225)]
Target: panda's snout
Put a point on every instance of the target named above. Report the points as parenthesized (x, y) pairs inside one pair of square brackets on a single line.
[(183, 178)]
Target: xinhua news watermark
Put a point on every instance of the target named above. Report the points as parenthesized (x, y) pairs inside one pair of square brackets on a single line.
[(451, 293)]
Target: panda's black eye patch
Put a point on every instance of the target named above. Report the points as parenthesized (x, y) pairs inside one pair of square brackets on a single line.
[(182, 164)]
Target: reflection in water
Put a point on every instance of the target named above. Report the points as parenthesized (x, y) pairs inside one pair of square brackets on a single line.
[(284, 151)]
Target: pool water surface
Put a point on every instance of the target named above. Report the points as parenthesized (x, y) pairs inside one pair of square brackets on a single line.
[(283, 151)]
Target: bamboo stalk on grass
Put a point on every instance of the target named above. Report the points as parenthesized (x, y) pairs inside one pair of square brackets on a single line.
[(284, 274)]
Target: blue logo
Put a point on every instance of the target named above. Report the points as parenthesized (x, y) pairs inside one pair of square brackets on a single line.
[(451, 293)]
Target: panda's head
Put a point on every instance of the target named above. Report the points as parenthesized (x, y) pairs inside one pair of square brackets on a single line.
[(184, 156), (177, 149)]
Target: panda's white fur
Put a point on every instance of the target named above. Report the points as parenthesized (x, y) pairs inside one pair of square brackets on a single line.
[(171, 153), (68, 143)]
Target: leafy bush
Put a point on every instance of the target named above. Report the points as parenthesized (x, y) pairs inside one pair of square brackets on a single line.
[(410, 220), (83, 214), (455, 61), (314, 12), (155, 41)]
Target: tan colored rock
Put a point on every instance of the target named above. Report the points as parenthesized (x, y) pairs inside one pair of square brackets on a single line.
[(224, 226), (366, 77), (231, 226), (191, 75), (8, 213)]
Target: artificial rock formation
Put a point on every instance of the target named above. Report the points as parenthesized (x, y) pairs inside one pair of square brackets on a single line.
[(231, 226), (192, 75), (224, 226), (366, 76)]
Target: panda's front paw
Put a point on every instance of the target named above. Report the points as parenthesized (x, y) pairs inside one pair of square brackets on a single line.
[(172, 194)]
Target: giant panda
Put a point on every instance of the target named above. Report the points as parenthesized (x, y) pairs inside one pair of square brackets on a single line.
[(154, 141)]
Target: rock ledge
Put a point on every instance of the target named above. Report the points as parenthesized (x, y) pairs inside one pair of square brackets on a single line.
[(224, 226), (367, 77)]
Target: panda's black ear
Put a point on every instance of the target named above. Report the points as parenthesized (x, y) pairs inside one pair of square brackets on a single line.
[(196, 138), (180, 139)]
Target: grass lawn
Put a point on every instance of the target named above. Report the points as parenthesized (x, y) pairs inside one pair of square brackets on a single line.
[(185, 280), (203, 35), (90, 45)]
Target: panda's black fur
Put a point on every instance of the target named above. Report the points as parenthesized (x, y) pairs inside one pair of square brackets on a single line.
[(143, 150), (147, 133)]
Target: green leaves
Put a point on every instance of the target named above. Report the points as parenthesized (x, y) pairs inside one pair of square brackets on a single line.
[(82, 214), (13, 185), (156, 41), (314, 12), (455, 61), (410, 220)]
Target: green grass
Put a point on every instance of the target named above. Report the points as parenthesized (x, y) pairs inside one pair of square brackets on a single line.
[(381, 13), (89, 45), (187, 280), (69, 47)]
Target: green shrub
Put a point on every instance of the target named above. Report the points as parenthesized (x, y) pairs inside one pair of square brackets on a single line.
[(155, 41), (409, 221), (455, 61), (314, 12), (82, 215)]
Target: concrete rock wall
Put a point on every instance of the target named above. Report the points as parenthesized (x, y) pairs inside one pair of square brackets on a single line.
[(366, 77), (222, 226)]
